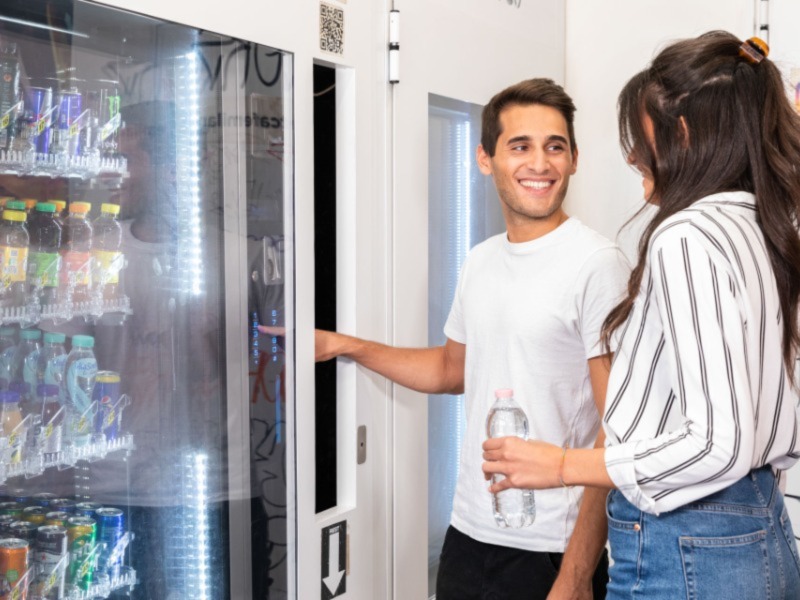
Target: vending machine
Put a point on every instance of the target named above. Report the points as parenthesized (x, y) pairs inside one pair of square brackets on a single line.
[(124, 143)]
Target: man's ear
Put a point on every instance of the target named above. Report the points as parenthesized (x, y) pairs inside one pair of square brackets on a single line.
[(574, 161), (484, 160)]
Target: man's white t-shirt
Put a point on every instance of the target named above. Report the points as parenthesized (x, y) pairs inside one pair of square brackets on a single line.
[(530, 315)]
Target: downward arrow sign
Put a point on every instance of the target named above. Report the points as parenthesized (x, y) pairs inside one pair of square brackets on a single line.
[(334, 577)]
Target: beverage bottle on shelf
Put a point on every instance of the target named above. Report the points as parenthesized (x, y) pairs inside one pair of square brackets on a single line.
[(76, 247), (61, 210), (10, 414), (9, 93), (14, 242), (512, 507), (8, 346), (43, 257), (52, 360), (106, 255), (79, 375), (45, 403), (23, 365)]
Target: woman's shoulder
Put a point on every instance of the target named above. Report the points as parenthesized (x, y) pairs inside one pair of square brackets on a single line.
[(711, 220)]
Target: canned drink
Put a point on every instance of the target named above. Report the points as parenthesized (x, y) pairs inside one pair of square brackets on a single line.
[(34, 514), (23, 530), (19, 495), (106, 117), (43, 498), (110, 529), (51, 546), (57, 517), (5, 523), (67, 128), (65, 504), (82, 538), (9, 94), (13, 564), (40, 103), (10, 508), (106, 394), (87, 509)]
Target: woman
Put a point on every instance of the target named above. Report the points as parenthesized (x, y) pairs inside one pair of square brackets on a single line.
[(701, 404)]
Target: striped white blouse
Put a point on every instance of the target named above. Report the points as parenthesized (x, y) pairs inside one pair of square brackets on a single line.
[(698, 394)]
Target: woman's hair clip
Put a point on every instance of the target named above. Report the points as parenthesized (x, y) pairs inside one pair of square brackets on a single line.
[(754, 50)]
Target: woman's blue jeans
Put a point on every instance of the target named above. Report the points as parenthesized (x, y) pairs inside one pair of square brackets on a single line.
[(735, 544)]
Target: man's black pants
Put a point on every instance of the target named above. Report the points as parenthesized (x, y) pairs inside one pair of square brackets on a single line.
[(473, 570)]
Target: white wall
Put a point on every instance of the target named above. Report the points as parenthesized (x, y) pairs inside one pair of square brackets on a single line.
[(607, 43)]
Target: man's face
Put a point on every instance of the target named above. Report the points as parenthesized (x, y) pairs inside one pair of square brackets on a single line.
[(532, 164)]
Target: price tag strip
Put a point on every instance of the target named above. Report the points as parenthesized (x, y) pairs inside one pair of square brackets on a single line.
[(5, 118)]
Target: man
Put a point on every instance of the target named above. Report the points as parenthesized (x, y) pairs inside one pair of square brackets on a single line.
[(527, 315)]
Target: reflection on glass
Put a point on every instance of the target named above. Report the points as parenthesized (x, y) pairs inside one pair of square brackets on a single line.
[(140, 119)]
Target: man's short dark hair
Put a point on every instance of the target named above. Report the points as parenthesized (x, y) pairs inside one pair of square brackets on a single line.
[(541, 91)]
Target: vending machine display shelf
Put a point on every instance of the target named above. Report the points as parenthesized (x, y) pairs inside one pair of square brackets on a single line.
[(104, 585), (52, 165), (33, 313), (16, 462)]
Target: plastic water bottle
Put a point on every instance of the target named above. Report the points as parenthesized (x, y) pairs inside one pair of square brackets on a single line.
[(106, 255), (80, 373), (14, 241), (8, 345), (76, 246), (44, 260), (23, 362), (52, 360), (513, 508)]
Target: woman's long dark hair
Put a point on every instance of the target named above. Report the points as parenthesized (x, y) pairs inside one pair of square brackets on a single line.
[(720, 123)]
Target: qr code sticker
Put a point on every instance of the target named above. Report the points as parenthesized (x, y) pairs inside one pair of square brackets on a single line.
[(331, 28)]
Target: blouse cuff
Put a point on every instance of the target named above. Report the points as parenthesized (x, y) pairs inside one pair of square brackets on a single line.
[(619, 464)]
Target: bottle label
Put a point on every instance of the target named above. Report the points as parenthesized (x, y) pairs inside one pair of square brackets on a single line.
[(54, 371), (107, 266), (6, 358), (43, 268), (80, 381), (77, 266), (13, 261), (29, 370)]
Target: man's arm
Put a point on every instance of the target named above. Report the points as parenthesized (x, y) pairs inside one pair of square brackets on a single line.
[(438, 370), (591, 529)]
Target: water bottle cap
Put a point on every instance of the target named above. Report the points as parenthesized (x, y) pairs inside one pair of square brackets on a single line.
[(80, 207), (15, 205), (83, 341), (504, 393), (59, 204), (46, 207), (8, 396), (46, 390), (30, 334), (52, 337), (15, 215), (30, 202), (112, 209)]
